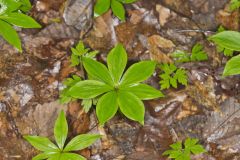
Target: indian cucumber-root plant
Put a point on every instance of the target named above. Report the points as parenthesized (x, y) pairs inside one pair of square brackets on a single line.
[(117, 7), (60, 150), (229, 40), (115, 89), (183, 151), (12, 13)]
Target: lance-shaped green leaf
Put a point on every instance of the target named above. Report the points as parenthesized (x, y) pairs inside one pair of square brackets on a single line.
[(143, 91), (41, 143), (138, 72), (10, 35), (61, 130), (131, 106), (88, 89), (97, 70), (20, 20), (232, 67), (44, 155), (82, 141), (118, 9), (107, 107), (101, 7), (117, 61), (227, 39), (71, 156)]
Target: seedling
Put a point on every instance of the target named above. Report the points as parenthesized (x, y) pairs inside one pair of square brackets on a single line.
[(79, 52), (61, 151), (198, 54), (102, 6), (230, 41), (181, 151), (12, 14), (171, 76), (116, 89), (234, 5)]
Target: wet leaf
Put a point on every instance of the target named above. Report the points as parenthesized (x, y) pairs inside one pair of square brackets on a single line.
[(107, 107), (131, 106), (61, 130), (82, 141)]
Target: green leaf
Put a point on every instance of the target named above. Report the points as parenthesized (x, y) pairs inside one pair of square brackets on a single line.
[(87, 104), (234, 5), (181, 76), (26, 6), (10, 35), (175, 154), (41, 143), (189, 142), (20, 20), (197, 149), (143, 91), (97, 71), (227, 39), (8, 6), (176, 146), (71, 156), (107, 107), (44, 155), (138, 72), (198, 54), (118, 9), (232, 67), (127, 1), (117, 61), (101, 7), (88, 89), (82, 141), (131, 106), (61, 130), (181, 56)]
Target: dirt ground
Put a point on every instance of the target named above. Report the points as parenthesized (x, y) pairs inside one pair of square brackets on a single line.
[(207, 109)]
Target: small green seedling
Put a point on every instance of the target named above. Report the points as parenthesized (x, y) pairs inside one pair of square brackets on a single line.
[(117, 7), (114, 89), (234, 5), (198, 54), (171, 76), (181, 151), (66, 98), (79, 52), (230, 41), (12, 13), (61, 151)]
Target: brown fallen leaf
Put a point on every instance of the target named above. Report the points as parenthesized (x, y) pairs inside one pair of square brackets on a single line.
[(159, 47)]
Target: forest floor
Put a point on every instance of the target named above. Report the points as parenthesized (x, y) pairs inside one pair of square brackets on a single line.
[(207, 109)]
